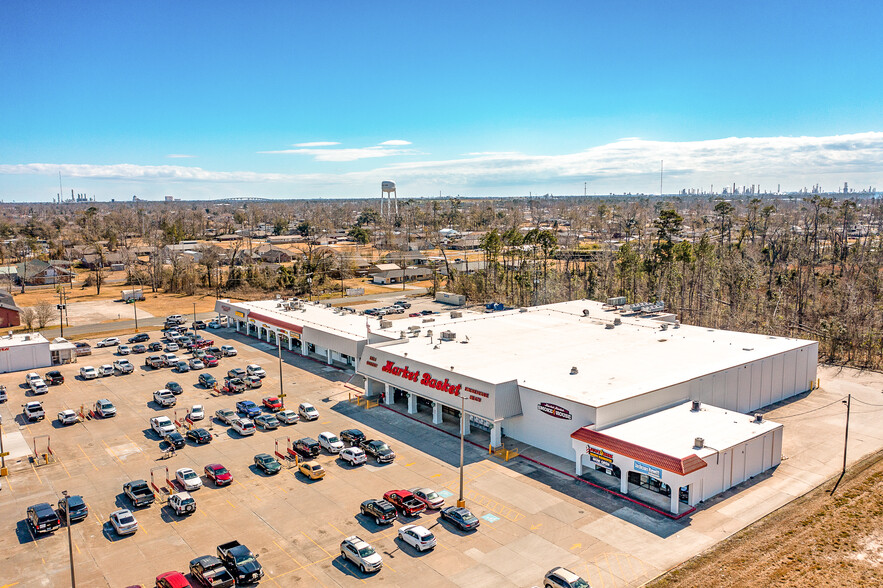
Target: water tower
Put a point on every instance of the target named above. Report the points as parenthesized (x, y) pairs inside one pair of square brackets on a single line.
[(388, 187)]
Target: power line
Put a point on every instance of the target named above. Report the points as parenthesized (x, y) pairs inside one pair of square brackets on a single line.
[(788, 416)]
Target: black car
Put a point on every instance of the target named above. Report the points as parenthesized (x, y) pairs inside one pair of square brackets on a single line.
[(198, 325), (379, 450), (268, 463), (174, 439), (42, 518), (155, 346), (352, 437), (79, 510), (210, 571), (207, 380), (174, 387), (383, 512), (199, 436), (139, 348), (307, 446), (139, 338), (54, 378), (462, 517)]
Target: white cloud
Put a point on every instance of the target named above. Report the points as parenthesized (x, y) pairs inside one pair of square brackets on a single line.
[(316, 144), (395, 143), (127, 171), (179, 156), (344, 154)]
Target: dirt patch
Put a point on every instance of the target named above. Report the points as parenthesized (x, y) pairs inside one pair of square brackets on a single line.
[(818, 540)]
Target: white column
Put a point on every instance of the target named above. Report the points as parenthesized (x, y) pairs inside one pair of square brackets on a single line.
[(303, 347), (237, 326), (328, 356), (388, 394), (624, 481), (368, 387), (496, 435), (437, 413), (412, 403), (290, 343), (675, 495), (579, 461), (466, 425)]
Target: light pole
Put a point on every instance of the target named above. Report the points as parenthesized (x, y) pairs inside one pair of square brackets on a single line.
[(70, 542), (194, 312), (281, 390), (135, 308), (461, 502), (3, 471)]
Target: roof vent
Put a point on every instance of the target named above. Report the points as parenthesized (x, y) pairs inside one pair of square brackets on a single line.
[(574, 371), (403, 335), (448, 336), (585, 312), (456, 314), (522, 310), (677, 324), (758, 418), (385, 324), (696, 405), (664, 327), (698, 443), (617, 321), (608, 326)]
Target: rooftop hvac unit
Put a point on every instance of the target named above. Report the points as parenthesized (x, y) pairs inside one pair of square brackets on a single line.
[(608, 326), (429, 333), (278, 296), (617, 321), (574, 371), (403, 335), (664, 327), (677, 324), (585, 312), (758, 418), (456, 314), (448, 336), (385, 324), (522, 310), (414, 328), (429, 320), (698, 443), (696, 405)]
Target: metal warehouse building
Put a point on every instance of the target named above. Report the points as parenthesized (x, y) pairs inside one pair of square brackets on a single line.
[(554, 376)]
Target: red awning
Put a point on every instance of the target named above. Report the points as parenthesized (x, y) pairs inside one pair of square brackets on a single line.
[(675, 465), (275, 322)]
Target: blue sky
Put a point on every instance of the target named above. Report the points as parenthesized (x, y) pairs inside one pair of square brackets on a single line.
[(471, 98)]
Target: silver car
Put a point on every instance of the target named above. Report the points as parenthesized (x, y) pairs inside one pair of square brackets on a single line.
[(123, 521)]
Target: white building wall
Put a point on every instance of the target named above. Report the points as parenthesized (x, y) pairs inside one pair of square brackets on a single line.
[(543, 430), (637, 406), (25, 357)]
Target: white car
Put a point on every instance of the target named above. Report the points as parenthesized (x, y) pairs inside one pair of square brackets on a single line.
[(31, 378), (87, 372), (289, 417), (228, 350), (162, 425), (175, 318), (124, 350), (354, 455), (196, 364), (123, 521), (68, 417), (169, 359), (164, 398), (108, 342), (214, 325), (417, 536), (188, 479), (197, 413), (39, 387), (243, 427), (307, 411), (330, 442), (256, 370), (172, 346), (105, 370), (124, 366), (105, 408)]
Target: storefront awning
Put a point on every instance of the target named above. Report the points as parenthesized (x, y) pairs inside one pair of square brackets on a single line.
[(275, 322), (675, 465)]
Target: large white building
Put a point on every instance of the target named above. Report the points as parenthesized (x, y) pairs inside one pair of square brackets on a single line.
[(600, 386)]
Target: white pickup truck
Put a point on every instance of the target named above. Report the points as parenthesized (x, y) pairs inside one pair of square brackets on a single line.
[(162, 425), (33, 411)]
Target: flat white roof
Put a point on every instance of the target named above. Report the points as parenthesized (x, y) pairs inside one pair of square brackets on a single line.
[(539, 346), (19, 339), (674, 431), (348, 325)]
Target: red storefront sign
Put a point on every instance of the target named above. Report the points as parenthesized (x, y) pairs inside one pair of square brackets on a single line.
[(426, 380)]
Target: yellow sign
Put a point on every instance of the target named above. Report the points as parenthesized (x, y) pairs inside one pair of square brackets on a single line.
[(239, 314), (295, 336), (4, 454)]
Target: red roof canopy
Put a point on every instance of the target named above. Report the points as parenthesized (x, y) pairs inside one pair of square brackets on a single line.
[(680, 466), (275, 322)]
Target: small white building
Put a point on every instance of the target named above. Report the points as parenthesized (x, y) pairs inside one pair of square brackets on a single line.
[(23, 352)]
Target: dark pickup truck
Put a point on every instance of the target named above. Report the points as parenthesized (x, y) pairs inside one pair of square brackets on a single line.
[(382, 511), (240, 562), (139, 493), (153, 361), (211, 571), (379, 450)]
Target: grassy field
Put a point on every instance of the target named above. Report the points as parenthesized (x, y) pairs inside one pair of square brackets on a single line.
[(819, 539)]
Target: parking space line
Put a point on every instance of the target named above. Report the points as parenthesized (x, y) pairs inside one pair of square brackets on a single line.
[(61, 461), (338, 530), (299, 565), (316, 544), (39, 479), (230, 503), (87, 457)]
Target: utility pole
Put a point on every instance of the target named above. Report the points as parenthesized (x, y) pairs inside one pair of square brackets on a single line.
[(61, 309), (846, 434), (461, 502), (281, 390), (3, 471), (194, 312), (135, 308), (70, 543)]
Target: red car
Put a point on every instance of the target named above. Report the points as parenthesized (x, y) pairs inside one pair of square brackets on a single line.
[(273, 403), (172, 580), (210, 361), (203, 343), (218, 474), (405, 501)]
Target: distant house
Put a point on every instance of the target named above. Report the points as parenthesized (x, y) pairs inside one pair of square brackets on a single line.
[(37, 273), (383, 267), (406, 257), (395, 276), (271, 254), (228, 237), (94, 260), (465, 243), (462, 267), (8, 310)]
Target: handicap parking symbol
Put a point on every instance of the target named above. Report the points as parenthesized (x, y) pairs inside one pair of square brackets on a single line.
[(445, 493), (491, 518)]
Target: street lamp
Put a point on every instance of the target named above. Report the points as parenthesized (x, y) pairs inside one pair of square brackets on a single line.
[(281, 390), (461, 502), (194, 312), (70, 542)]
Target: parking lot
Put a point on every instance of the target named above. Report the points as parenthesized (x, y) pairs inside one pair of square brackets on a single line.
[(296, 525), (532, 518)]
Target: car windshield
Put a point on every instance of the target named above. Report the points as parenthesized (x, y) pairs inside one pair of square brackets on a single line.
[(105, 405), (366, 551), (431, 495), (333, 439), (467, 517), (580, 583), (242, 560), (427, 537), (126, 520), (381, 446), (188, 475), (220, 471)]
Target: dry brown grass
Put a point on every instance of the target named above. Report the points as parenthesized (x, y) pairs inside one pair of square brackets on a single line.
[(817, 540)]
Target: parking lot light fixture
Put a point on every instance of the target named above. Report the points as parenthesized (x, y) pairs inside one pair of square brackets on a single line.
[(70, 542), (281, 390), (461, 502)]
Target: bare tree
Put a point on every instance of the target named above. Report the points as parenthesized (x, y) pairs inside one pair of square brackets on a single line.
[(28, 316), (44, 312)]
